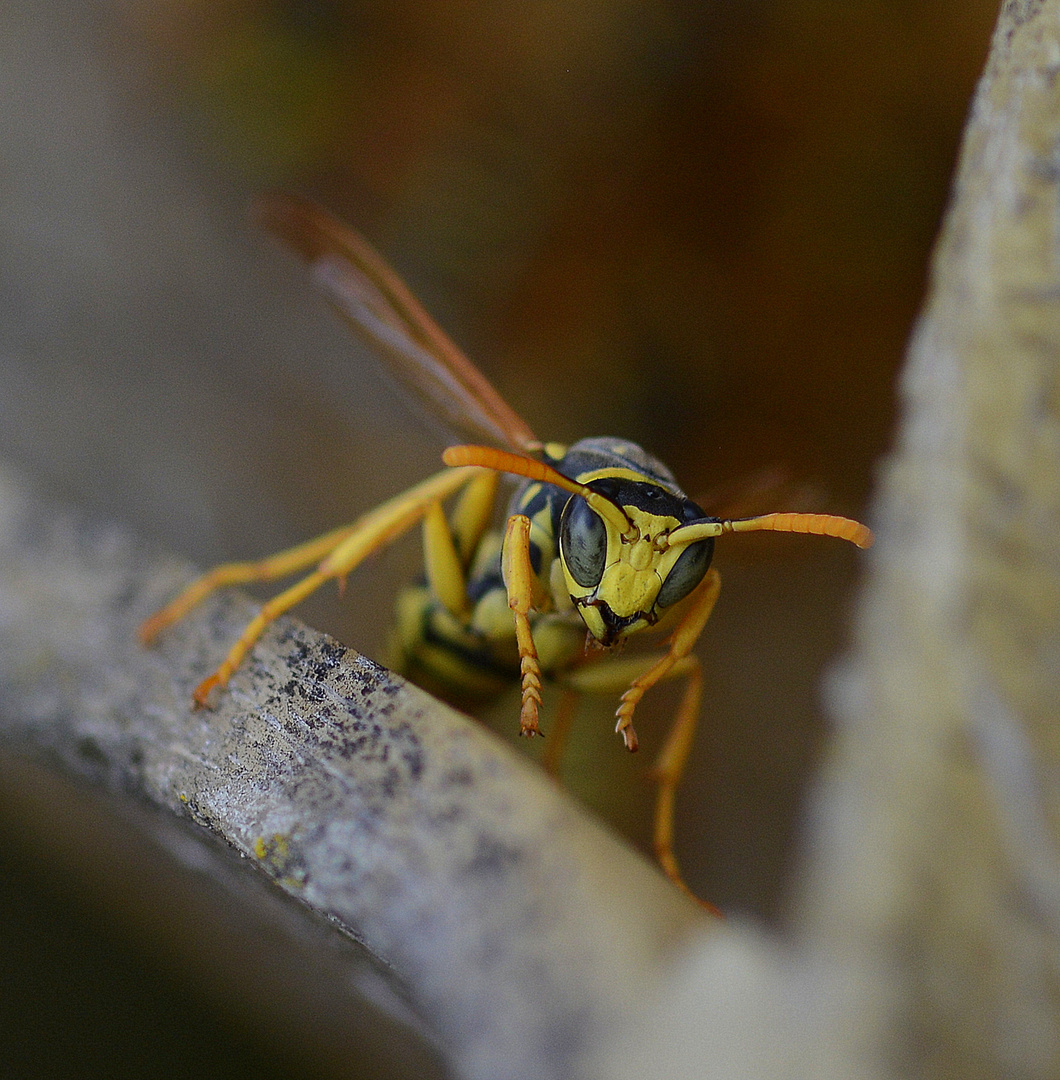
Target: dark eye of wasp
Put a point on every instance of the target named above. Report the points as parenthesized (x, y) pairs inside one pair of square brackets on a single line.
[(687, 572), (583, 542)]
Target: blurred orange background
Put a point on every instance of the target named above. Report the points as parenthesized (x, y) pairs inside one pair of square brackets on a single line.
[(702, 225)]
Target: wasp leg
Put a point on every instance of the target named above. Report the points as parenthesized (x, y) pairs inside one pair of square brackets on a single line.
[(671, 763), (472, 514), (608, 676), (561, 726), (519, 578), (345, 550), (448, 545), (240, 573), (441, 560), (270, 611), (668, 770), (700, 605)]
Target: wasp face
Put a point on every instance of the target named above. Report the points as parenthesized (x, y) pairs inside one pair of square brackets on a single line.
[(622, 580)]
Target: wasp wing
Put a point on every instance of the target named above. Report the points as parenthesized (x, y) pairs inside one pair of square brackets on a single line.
[(380, 307)]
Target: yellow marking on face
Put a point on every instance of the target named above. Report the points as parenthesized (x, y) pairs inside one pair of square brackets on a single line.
[(634, 572), (594, 623), (637, 564)]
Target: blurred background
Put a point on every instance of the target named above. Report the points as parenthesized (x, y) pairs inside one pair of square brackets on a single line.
[(700, 225)]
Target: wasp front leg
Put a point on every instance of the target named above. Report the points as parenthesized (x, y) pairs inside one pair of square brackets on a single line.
[(671, 763), (523, 588), (682, 641)]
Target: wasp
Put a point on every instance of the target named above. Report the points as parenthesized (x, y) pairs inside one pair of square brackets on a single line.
[(600, 544)]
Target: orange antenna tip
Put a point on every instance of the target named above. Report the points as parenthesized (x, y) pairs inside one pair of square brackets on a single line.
[(813, 524)]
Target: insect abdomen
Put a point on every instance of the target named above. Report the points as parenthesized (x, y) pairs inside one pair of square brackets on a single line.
[(465, 663)]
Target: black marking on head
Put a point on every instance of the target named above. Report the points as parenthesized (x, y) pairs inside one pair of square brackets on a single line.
[(650, 497)]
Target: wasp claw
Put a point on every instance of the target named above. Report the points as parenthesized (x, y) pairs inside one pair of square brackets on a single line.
[(201, 695), (629, 737)]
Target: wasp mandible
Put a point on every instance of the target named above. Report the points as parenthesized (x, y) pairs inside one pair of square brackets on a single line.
[(600, 543)]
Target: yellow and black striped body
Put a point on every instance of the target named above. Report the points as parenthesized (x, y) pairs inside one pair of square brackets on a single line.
[(475, 657)]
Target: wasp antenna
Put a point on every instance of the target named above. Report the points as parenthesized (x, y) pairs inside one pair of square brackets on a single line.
[(814, 524), (489, 457), (505, 461), (701, 530)]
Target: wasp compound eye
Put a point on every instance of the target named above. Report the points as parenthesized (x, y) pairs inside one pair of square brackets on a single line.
[(583, 542), (686, 573)]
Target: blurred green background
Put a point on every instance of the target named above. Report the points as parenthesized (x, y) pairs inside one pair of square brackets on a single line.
[(703, 226)]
